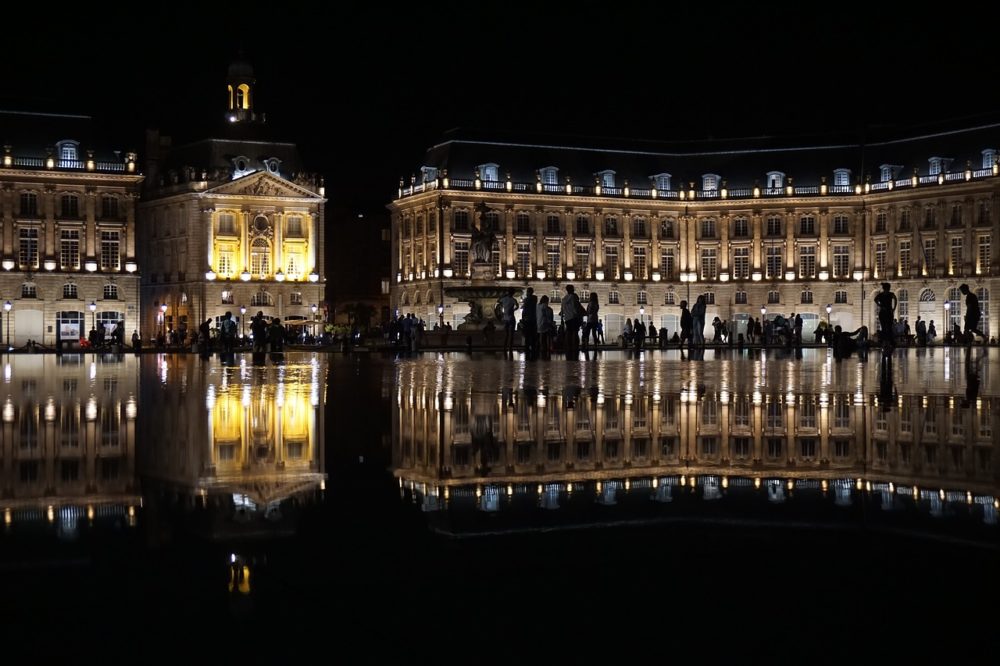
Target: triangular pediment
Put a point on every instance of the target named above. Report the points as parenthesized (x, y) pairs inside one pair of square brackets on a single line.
[(262, 184)]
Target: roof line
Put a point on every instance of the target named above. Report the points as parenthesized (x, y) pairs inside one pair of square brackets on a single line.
[(45, 115), (719, 152)]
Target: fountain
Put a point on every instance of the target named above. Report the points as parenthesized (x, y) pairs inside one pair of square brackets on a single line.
[(483, 293)]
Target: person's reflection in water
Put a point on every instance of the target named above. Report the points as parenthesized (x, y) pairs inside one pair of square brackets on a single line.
[(887, 392), (971, 380)]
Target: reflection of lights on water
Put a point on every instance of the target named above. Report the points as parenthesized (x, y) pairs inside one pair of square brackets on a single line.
[(90, 512), (246, 395), (724, 397), (131, 409), (656, 482), (824, 485), (725, 482), (210, 397), (628, 484), (756, 483), (50, 410), (600, 398), (8, 411), (50, 513), (93, 372), (7, 373), (91, 409), (757, 398)]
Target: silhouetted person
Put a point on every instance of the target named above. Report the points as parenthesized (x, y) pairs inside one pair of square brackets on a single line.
[(971, 381), (886, 302), (972, 315)]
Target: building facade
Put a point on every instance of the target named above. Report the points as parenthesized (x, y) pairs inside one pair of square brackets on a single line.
[(231, 223), (69, 246), (619, 221)]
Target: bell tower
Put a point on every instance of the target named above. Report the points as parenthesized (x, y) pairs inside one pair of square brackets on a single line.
[(240, 84)]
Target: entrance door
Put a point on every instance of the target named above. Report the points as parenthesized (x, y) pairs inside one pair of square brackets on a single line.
[(27, 325)]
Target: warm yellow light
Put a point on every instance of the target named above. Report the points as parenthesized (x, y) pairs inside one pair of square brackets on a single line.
[(50, 513), (725, 482), (90, 512), (860, 484), (628, 484), (756, 483)]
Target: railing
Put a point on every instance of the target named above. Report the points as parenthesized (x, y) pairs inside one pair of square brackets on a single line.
[(615, 192), (64, 165)]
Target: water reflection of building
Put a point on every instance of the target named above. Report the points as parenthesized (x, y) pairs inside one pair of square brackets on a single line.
[(244, 441), (469, 443), (68, 440)]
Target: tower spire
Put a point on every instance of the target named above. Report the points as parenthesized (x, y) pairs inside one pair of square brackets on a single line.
[(240, 84)]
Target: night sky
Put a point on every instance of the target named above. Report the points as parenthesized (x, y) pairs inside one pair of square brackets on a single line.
[(365, 91)]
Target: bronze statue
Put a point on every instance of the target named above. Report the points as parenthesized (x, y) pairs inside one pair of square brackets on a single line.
[(483, 237)]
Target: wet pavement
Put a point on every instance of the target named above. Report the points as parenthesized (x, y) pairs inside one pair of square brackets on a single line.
[(418, 507)]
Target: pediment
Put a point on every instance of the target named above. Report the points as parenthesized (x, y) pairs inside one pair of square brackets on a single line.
[(262, 184)]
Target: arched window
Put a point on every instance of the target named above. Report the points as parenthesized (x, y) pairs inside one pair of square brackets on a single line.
[(29, 290), (841, 177), (69, 290), (68, 153), (989, 157), (550, 175), (111, 291), (243, 96), (927, 296), (405, 300), (260, 299), (954, 314), (260, 257), (230, 91), (775, 180), (109, 207), (902, 303), (416, 298), (489, 172), (607, 178), (773, 297), (69, 206)]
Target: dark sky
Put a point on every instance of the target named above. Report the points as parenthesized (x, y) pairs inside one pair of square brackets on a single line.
[(366, 89)]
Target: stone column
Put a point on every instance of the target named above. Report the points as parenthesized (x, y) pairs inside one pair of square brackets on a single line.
[(598, 244), (824, 241)]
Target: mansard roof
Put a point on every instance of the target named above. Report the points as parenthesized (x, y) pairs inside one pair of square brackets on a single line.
[(741, 162), (34, 134)]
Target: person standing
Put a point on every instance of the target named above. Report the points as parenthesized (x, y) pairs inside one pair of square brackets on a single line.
[(590, 327), (546, 325), (572, 313), (886, 303), (698, 321), (931, 332), (686, 323), (921, 332), (529, 323), (972, 315), (508, 306)]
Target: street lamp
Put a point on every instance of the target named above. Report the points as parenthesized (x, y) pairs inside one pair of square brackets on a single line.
[(315, 309), (163, 319), (947, 318), (6, 308), (642, 312), (763, 311), (243, 328), (93, 315)]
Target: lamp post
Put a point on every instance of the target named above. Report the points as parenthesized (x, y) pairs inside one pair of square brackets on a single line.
[(440, 309), (947, 318), (163, 319), (6, 308), (243, 328), (829, 311), (642, 313), (93, 315), (315, 309)]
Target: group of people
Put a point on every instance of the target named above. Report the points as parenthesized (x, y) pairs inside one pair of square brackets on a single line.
[(890, 328)]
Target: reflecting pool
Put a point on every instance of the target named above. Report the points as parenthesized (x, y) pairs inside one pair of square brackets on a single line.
[(261, 506)]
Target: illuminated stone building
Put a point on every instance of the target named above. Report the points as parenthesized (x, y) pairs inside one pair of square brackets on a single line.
[(242, 444), (231, 221), (750, 224), (68, 441), (68, 220), (461, 441)]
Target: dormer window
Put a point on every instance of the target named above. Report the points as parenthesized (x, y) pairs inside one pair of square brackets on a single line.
[(273, 165), (775, 180), (241, 166), (68, 152), (661, 182), (841, 177), (489, 172), (888, 172), (550, 175), (428, 173), (709, 182), (934, 166), (989, 158), (606, 177)]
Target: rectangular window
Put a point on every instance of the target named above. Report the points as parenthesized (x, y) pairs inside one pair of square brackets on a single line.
[(774, 226), (707, 228), (524, 259), (69, 206), (552, 225), (494, 257), (109, 207), (841, 261), (639, 263), (984, 214), (461, 258), (667, 228), (930, 253), (582, 262), (904, 220), (807, 226), (985, 254), (28, 247), (639, 227), (955, 258), (225, 264), (740, 298), (774, 261), (880, 223), (69, 249), (807, 261), (29, 204), (741, 263), (611, 226), (582, 225), (840, 296), (956, 215), (523, 223), (461, 223), (553, 260), (611, 262), (110, 252), (709, 264), (668, 265), (929, 220), (295, 227), (741, 228), (880, 259), (227, 224), (904, 258), (840, 225)]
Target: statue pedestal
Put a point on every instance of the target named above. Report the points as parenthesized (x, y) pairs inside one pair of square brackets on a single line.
[(482, 300), (483, 272)]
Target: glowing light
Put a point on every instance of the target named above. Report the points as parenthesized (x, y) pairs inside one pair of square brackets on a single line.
[(90, 265), (50, 264), (656, 276), (756, 483), (279, 276), (756, 276), (90, 512), (789, 275), (824, 275), (628, 276), (8, 264), (599, 275), (511, 274), (131, 266), (245, 275), (570, 274), (540, 274)]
